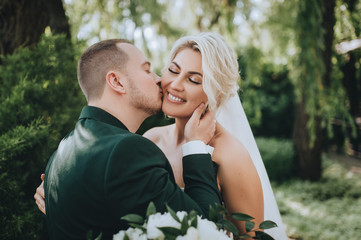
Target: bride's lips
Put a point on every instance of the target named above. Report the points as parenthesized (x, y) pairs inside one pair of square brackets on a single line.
[(174, 98)]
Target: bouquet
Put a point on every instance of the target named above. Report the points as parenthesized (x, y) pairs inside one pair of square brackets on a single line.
[(189, 226)]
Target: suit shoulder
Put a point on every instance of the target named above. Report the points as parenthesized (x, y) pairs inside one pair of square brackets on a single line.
[(134, 144)]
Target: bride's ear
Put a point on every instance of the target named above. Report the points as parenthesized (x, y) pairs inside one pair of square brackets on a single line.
[(115, 80)]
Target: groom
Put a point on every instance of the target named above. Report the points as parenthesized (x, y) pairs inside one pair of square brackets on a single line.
[(102, 171)]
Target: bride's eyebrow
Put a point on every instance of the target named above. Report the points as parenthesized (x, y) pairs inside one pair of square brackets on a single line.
[(176, 64), (196, 73), (191, 72)]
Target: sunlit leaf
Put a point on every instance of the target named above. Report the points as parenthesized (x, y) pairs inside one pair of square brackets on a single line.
[(230, 227), (99, 237), (263, 236), (173, 214), (170, 232), (249, 226), (135, 225), (184, 225), (267, 224), (241, 217), (133, 218), (213, 215), (151, 209)]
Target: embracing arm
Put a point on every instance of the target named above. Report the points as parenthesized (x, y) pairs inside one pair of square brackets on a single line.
[(143, 174), (240, 183)]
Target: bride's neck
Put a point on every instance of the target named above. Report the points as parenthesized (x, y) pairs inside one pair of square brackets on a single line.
[(180, 124)]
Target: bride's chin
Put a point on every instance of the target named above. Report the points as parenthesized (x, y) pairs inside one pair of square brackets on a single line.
[(175, 115)]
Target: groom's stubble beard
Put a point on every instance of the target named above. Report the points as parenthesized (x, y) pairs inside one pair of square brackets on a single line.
[(142, 101)]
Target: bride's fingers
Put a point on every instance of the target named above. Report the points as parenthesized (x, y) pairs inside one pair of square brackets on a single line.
[(40, 190), (197, 114), (39, 197)]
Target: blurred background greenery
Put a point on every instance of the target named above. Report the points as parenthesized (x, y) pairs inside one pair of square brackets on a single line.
[(301, 90)]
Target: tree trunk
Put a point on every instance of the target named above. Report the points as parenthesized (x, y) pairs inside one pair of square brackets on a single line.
[(58, 21), (23, 22), (308, 158), (309, 154)]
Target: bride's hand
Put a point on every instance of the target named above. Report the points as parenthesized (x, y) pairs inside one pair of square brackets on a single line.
[(200, 127), (39, 195)]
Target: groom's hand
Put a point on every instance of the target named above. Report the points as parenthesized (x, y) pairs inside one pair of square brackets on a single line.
[(200, 127), (39, 195)]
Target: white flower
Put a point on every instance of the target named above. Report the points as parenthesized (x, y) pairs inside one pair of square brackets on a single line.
[(136, 234), (207, 230), (132, 233), (160, 220), (119, 236), (192, 234), (181, 214)]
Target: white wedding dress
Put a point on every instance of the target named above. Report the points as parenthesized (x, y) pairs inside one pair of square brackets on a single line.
[(233, 118)]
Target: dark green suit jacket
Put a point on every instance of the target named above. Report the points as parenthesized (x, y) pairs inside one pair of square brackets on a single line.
[(101, 172)]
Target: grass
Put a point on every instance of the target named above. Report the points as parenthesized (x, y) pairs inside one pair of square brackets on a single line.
[(325, 210)]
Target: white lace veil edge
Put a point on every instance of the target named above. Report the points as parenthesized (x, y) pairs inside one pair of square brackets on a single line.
[(233, 118)]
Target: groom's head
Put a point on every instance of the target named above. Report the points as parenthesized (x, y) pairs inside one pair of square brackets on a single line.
[(94, 64), (113, 72)]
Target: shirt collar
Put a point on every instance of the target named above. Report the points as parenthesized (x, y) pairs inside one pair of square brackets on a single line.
[(101, 115)]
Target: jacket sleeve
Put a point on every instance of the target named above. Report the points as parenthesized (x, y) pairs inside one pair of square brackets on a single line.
[(138, 172)]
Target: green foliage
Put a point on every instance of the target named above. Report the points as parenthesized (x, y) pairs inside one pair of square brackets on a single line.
[(222, 221), (278, 157), (324, 210), (39, 102), (296, 29), (268, 95)]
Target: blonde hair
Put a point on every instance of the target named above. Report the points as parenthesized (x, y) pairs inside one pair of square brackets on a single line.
[(219, 64)]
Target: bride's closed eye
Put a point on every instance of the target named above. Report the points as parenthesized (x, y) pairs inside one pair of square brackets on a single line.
[(194, 80), (173, 71)]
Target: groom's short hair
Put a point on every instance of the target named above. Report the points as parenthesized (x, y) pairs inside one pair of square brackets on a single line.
[(95, 62)]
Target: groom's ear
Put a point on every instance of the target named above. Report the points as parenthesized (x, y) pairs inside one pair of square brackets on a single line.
[(115, 81)]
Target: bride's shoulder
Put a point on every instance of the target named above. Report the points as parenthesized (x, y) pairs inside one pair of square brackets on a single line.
[(234, 160), (229, 149), (156, 134)]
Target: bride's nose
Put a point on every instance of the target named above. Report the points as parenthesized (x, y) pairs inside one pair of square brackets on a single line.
[(177, 84)]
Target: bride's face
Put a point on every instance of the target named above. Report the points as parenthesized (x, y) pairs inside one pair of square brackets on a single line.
[(182, 84)]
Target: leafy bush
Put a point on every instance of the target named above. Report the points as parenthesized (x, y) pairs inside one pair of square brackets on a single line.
[(267, 95), (39, 102), (278, 157), (325, 210)]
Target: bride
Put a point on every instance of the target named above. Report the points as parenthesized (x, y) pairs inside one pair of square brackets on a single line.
[(203, 68)]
